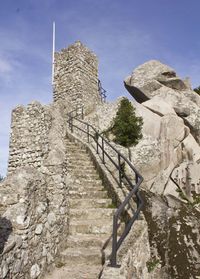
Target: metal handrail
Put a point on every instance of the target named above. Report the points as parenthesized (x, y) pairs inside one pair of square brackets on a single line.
[(101, 142), (102, 92)]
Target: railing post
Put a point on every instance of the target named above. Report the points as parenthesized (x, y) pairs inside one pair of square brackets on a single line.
[(97, 145), (136, 194), (69, 116), (113, 261), (103, 157), (88, 133), (71, 122), (136, 178), (82, 113), (120, 174)]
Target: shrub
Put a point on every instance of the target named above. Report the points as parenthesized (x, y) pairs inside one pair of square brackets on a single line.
[(127, 127), (197, 90)]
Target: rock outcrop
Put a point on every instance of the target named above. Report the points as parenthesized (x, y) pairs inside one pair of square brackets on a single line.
[(168, 157), (156, 80)]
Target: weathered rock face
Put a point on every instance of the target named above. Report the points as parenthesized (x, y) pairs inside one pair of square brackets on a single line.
[(154, 79), (168, 157), (174, 237), (163, 147), (150, 77)]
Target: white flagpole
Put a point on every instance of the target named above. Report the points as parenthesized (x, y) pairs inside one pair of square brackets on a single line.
[(53, 54)]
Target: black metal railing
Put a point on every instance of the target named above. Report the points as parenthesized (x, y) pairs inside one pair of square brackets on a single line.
[(102, 92), (119, 161)]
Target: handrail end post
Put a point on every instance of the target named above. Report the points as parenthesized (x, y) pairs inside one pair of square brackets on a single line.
[(82, 116)]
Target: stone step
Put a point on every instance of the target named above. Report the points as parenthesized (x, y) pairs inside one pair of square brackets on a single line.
[(102, 226), (80, 170), (90, 203), (83, 158), (78, 156), (74, 161), (75, 271), (99, 227), (74, 146), (90, 256), (86, 187), (86, 175), (83, 181), (74, 152), (81, 165), (88, 194), (91, 213), (87, 240), (77, 166)]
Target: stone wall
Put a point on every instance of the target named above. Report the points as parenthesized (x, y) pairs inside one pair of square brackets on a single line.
[(76, 77), (31, 229), (29, 136), (34, 195)]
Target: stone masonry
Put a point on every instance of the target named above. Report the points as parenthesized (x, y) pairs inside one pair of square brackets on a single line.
[(35, 196), (76, 77), (29, 136)]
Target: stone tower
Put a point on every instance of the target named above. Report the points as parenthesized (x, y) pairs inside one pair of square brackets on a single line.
[(75, 84), (76, 77)]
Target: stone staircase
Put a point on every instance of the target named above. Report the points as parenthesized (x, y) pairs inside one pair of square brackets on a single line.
[(90, 225)]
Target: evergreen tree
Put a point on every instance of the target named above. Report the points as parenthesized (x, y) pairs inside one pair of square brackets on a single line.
[(197, 90), (127, 127), (1, 178)]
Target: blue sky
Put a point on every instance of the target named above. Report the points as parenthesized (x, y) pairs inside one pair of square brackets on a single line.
[(123, 34)]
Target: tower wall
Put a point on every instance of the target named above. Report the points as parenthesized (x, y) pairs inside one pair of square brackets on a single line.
[(76, 77)]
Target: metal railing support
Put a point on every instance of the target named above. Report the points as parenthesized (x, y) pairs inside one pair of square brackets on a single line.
[(103, 155), (97, 146), (120, 173), (113, 261), (82, 115), (88, 133)]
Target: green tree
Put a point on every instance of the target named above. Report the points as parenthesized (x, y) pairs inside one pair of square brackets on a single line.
[(127, 127), (1, 177), (197, 90)]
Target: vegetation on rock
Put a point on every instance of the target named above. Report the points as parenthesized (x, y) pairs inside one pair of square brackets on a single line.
[(127, 127), (197, 90), (1, 177), (152, 264)]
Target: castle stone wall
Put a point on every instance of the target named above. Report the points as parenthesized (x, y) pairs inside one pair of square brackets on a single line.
[(34, 198), (76, 78), (29, 136), (33, 226)]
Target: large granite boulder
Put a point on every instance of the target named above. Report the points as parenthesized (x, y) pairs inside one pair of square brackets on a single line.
[(151, 76), (154, 80)]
